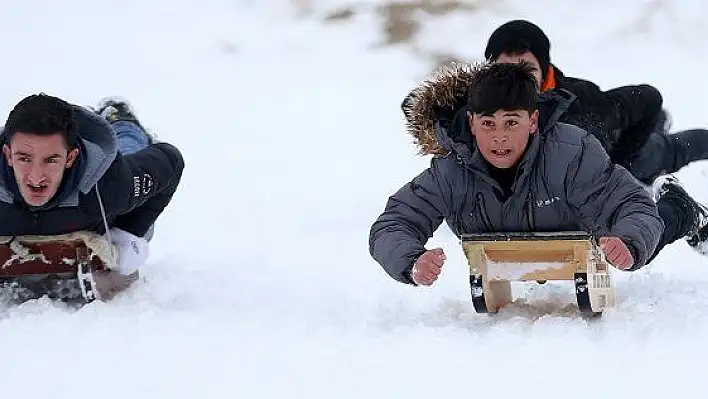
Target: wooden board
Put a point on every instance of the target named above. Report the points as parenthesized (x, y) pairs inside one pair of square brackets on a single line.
[(44, 255), (495, 263), (528, 260)]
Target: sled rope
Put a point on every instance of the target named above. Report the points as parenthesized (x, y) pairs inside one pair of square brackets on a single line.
[(105, 221)]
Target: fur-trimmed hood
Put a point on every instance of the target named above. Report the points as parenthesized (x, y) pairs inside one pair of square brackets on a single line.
[(431, 109)]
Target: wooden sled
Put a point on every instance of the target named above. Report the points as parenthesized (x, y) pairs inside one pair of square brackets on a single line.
[(60, 267), (497, 259)]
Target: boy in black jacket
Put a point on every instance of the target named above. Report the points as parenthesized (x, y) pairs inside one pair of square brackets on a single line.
[(67, 169)]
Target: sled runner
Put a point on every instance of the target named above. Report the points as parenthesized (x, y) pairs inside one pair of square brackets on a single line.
[(61, 267), (497, 259)]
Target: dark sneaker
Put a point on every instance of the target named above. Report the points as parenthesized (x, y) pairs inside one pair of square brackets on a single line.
[(697, 237), (114, 109)]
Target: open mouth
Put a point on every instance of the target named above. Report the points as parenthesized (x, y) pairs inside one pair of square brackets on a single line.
[(501, 152), (38, 189)]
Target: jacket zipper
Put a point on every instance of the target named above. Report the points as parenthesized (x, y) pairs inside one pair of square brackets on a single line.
[(482, 208), (529, 210)]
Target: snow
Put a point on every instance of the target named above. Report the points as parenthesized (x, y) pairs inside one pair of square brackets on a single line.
[(260, 284)]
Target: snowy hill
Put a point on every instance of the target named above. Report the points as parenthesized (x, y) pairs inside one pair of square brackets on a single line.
[(260, 284)]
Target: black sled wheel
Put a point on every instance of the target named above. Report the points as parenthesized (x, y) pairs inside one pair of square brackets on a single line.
[(477, 290), (582, 294)]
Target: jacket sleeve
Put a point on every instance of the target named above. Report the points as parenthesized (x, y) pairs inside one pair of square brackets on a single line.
[(410, 218), (612, 202), (138, 187)]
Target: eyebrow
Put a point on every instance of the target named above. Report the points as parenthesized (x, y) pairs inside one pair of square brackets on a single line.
[(24, 154), (491, 114)]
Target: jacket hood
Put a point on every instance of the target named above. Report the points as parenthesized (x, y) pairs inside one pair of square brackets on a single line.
[(99, 147), (101, 144), (436, 117)]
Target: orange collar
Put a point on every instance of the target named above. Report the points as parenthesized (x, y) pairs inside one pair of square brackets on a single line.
[(549, 81)]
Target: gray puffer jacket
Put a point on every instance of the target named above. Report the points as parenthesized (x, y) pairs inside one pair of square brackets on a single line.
[(565, 181)]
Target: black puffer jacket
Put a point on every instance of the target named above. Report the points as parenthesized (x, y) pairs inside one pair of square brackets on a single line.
[(621, 118), (133, 189)]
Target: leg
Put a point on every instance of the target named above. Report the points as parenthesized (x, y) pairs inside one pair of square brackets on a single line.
[(689, 146), (131, 135), (653, 159), (667, 153), (636, 150), (132, 138), (683, 217)]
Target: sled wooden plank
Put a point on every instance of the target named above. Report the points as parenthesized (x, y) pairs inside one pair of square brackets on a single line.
[(497, 294), (476, 258), (530, 271), (25, 256), (522, 255), (530, 260), (532, 251), (582, 257)]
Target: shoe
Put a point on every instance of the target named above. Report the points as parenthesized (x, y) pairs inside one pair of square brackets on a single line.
[(114, 109), (669, 187)]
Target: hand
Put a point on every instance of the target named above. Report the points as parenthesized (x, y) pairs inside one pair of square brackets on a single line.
[(110, 283), (427, 268), (617, 252), (132, 251)]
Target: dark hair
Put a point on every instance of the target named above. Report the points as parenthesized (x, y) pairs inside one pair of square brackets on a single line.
[(503, 86), (42, 115), (519, 36)]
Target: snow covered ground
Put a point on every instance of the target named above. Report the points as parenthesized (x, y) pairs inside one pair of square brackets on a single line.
[(260, 284)]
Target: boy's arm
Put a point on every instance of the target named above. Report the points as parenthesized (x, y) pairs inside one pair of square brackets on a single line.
[(410, 218), (137, 187), (612, 202)]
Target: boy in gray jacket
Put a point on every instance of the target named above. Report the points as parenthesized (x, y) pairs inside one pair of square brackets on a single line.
[(513, 167)]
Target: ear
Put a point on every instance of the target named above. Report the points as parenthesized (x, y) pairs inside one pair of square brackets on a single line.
[(7, 153), (533, 127), (470, 121), (71, 157)]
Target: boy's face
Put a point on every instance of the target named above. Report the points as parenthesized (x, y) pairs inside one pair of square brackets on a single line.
[(502, 136), (38, 163)]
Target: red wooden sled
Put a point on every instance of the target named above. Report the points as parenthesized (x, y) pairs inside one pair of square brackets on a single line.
[(65, 264)]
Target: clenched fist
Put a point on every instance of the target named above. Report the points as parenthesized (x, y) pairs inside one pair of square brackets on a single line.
[(617, 252), (427, 268)]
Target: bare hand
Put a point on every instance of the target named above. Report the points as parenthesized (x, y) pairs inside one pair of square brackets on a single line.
[(427, 268), (617, 252), (110, 283)]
